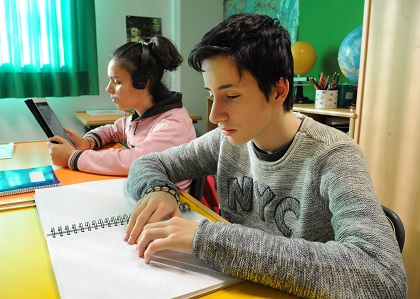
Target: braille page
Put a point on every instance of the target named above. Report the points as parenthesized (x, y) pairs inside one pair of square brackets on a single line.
[(91, 260)]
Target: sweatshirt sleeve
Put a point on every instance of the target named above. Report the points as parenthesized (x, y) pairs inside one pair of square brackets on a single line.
[(166, 132), (188, 161)]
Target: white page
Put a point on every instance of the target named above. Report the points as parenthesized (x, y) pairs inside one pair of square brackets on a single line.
[(98, 263)]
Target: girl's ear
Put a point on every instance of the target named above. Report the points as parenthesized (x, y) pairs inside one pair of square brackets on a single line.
[(281, 89)]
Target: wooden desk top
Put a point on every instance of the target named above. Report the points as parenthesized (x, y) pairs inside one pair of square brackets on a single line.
[(99, 120), (26, 270), (310, 108)]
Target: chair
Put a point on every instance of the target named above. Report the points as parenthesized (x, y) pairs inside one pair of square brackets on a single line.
[(204, 190), (397, 226), (197, 188)]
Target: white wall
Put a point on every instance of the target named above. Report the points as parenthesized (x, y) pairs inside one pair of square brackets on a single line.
[(196, 20), (183, 21)]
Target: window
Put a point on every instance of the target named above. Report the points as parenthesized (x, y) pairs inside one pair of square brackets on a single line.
[(48, 48)]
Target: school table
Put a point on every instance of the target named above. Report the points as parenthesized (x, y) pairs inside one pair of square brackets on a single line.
[(26, 270), (92, 121)]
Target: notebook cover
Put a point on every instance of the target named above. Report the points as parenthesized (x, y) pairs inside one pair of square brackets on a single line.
[(25, 180)]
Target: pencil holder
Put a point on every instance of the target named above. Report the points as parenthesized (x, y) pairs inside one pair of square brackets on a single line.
[(326, 98)]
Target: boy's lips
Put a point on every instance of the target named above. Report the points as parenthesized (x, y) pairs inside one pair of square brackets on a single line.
[(228, 132)]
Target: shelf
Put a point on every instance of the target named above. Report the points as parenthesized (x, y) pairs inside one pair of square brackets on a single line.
[(318, 114), (310, 108)]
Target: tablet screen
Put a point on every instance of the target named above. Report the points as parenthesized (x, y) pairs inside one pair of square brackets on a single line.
[(51, 119)]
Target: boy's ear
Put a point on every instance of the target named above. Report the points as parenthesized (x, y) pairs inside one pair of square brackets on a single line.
[(281, 89)]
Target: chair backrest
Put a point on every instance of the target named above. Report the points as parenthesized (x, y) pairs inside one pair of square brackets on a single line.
[(204, 189), (197, 187), (397, 226)]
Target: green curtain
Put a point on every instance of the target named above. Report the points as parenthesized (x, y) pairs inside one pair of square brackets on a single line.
[(48, 48)]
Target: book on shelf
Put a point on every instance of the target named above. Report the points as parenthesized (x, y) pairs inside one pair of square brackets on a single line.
[(16, 181), (46, 118), (84, 226)]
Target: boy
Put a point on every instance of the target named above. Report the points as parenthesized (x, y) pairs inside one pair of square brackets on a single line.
[(305, 218)]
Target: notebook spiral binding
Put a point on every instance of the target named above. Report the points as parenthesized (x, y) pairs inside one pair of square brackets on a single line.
[(89, 225), (27, 190), (100, 223)]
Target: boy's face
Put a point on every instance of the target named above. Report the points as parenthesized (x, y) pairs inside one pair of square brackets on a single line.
[(240, 108)]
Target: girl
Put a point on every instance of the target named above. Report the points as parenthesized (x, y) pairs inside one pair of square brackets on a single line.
[(159, 120)]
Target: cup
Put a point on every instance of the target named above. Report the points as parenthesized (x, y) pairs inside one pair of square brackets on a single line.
[(345, 95), (326, 98)]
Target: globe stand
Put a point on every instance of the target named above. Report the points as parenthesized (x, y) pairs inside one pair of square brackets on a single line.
[(304, 58), (299, 98)]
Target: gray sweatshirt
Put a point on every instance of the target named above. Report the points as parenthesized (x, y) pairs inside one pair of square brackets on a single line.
[(308, 223)]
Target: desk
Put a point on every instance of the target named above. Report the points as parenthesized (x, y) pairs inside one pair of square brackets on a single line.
[(319, 114), (92, 121), (26, 270)]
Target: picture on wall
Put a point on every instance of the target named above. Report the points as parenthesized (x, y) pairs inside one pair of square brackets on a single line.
[(142, 28)]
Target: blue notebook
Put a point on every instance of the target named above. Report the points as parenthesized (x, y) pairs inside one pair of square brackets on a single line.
[(25, 180)]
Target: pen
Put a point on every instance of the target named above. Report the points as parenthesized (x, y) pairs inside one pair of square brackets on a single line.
[(15, 207), (321, 79), (316, 85), (325, 86)]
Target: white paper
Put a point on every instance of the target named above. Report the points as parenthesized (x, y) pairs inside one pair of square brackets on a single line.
[(6, 150), (98, 263)]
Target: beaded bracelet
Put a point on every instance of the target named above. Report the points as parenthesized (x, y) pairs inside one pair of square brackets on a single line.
[(164, 189)]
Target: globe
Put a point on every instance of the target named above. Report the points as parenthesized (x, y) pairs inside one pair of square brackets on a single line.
[(349, 54), (304, 57)]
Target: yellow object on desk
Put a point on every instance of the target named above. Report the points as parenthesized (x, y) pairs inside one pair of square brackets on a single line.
[(26, 270)]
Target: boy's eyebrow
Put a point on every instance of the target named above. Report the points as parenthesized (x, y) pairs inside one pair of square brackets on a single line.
[(220, 87)]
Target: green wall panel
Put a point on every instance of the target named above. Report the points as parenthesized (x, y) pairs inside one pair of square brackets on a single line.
[(324, 24)]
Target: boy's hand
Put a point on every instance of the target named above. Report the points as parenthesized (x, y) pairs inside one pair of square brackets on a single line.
[(174, 234), (152, 208)]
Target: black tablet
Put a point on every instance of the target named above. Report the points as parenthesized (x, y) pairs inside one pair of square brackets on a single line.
[(46, 118)]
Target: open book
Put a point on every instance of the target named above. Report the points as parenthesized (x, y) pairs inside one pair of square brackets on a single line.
[(84, 225)]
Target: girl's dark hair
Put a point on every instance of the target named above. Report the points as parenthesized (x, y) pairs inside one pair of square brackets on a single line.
[(163, 55), (255, 43)]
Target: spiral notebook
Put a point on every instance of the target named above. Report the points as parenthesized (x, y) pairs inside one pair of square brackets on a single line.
[(16, 181), (84, 225)]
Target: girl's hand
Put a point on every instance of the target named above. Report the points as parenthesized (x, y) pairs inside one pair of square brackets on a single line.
[(79, 142), (60, 151), (174, 234), (152, 208)]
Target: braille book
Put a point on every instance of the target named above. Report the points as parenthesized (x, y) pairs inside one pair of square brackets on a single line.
[(84, 226)]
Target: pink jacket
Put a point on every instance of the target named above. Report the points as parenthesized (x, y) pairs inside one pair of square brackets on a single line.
[(142, 136)]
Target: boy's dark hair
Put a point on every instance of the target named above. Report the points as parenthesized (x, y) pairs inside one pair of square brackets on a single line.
[(163, 55), (255, 43)]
